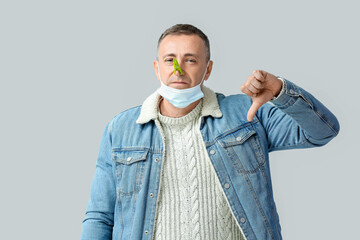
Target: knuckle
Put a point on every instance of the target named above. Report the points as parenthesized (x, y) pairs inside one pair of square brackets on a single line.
[(255, 84)]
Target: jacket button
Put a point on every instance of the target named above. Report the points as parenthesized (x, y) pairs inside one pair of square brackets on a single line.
[(128, 159), (291, 91), (238, 139), (156, 159), (151, 194), (242, 220), (227, 185), (212, 151), (146, 232)]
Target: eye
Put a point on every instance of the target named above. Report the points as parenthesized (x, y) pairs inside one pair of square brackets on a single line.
[(168, 60), (191, 60)]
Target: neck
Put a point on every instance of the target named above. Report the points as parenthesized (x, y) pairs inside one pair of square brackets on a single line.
[(169, 110)]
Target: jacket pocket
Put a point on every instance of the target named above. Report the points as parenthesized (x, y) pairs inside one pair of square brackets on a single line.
[(129, 169), (242, 146)]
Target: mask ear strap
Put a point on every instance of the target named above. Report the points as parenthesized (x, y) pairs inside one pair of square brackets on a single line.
[(158, 70), (203, 78)]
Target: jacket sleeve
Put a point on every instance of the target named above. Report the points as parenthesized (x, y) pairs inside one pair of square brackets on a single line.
[(296, 119), (99, 219)]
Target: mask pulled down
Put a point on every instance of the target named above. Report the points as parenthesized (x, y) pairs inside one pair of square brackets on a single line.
[(181, 98)]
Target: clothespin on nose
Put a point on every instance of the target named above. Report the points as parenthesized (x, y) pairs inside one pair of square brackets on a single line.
[(177, 67)]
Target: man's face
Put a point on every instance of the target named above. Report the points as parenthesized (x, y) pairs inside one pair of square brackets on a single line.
[(190, 52)]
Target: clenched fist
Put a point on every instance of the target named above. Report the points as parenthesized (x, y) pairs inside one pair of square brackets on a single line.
[(261, 86)]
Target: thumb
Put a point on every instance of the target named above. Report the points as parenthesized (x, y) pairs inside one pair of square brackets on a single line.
[(252, 110)]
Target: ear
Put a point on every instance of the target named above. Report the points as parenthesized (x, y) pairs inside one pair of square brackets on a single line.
[(156, 69), (208, 70)]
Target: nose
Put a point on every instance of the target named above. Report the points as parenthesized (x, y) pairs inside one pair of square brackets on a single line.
[(178, 73)]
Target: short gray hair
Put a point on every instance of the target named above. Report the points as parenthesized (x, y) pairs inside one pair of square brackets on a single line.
[(186, 29)]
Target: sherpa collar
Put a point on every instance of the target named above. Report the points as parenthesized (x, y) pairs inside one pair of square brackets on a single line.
[(149, 109)]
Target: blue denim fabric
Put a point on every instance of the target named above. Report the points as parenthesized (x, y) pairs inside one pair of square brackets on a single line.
[(126, 184)]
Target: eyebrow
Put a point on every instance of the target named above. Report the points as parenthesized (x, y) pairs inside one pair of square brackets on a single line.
[(186, 55)]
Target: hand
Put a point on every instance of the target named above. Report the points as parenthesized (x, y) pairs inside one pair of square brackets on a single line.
[(261, 86)]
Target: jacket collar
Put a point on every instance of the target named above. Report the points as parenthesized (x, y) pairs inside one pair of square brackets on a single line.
[(149, 109)]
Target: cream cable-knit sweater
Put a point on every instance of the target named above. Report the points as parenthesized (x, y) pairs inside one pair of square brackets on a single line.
[(191, 203)]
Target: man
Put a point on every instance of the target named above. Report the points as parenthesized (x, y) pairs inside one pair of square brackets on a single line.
[(193, 164)]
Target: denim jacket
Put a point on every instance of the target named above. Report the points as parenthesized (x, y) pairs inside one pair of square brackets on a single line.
[(125, 187)]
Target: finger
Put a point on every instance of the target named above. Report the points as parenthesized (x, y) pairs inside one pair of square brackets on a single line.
[(252, 111), (257, 84), (252, 88), (246, 91), (252, 83), (260, 75)]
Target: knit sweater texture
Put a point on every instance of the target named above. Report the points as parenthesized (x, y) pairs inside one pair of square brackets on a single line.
[(191, 204)]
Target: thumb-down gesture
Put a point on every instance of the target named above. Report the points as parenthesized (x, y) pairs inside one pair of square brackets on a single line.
[(261, 86)]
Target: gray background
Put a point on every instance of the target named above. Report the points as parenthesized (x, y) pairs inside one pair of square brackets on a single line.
[(68, 67)]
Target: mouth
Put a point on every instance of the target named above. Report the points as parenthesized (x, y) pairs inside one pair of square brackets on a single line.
[(178, 82)]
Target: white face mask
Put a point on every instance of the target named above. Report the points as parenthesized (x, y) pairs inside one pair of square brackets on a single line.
[(181, 98)]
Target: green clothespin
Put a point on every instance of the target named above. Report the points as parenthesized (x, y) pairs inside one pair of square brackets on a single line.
[(177, 67)]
